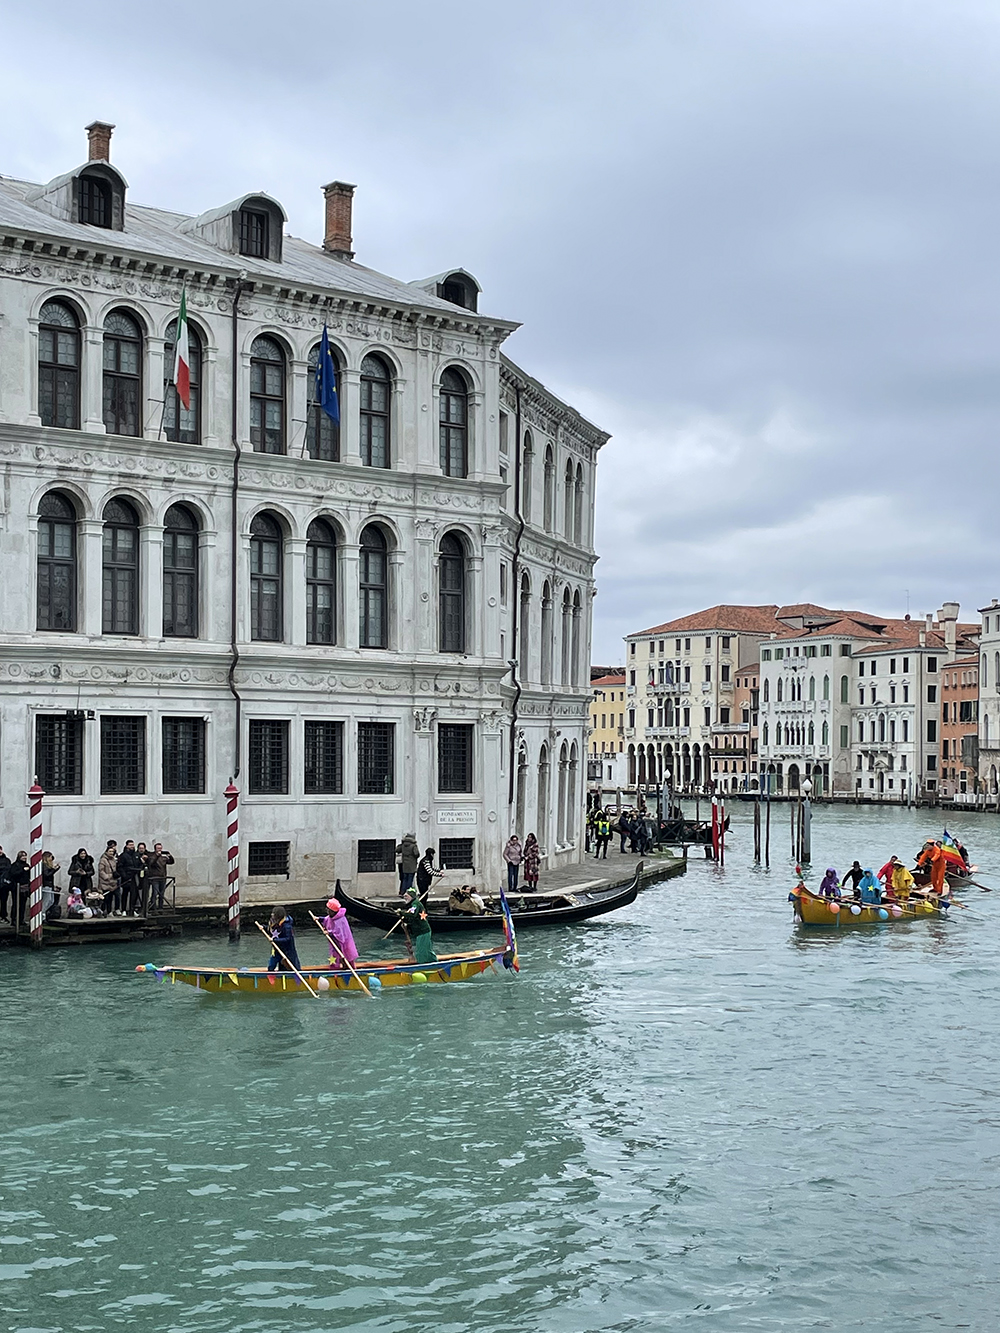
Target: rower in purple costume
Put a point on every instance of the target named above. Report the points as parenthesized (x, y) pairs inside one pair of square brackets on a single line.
[(343, 950)]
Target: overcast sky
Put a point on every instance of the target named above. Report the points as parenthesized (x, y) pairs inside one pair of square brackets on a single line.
[(757, 241)]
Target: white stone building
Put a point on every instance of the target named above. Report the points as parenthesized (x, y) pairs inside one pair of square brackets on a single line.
[(374, 627)]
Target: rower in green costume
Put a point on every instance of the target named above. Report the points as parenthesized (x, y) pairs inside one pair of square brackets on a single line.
[(415, 921)]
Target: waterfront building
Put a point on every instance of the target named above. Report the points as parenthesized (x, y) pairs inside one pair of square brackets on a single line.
[(373, 626), (606, 763), (681, 685), (736, 746), (989, 701), (959, 759)]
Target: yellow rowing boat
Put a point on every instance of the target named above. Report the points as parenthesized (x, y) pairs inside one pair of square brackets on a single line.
[(812, 910)]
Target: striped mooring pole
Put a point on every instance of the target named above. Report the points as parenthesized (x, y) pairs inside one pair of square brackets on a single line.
[(233, 858), (35, 919)]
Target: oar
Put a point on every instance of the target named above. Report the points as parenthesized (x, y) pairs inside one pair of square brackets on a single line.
[(343, 955), (287, 960)]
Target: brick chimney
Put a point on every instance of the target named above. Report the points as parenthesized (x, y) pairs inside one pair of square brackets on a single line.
[(99, 141), (339, 203)]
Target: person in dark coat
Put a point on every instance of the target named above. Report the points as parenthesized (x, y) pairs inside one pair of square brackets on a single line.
[(4, 885), (282, 929), (427, 874), (408, 852), (156, 874), (131, 865), (81, 872), (19, 878)]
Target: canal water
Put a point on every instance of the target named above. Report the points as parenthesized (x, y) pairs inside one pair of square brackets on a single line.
[(689, 1114)]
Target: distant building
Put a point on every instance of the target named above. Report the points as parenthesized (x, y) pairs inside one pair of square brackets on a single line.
[(989, 701), (735, 746), (959, 759), (606, 765)]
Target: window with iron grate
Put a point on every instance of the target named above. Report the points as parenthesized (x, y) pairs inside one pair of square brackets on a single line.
[(59, 754), (324, 757), (268, 858), (376, 856), (376, 745), (268, 757), (184, 754), (457, 853), (455, 757), (123, 755)]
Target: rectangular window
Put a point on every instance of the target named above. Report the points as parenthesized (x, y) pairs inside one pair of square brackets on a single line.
[(455, 757), (268, 758), (687, 675), (861, 732), (503, 583), (708, 717), (932, 694), (376, 856), (268, 858), (844, 738), (779, 654), (725, 644), (123, 755), (825, 650), (649, 717), (661, 646), (932, 664), (906, 694), (932, 763), (687, 645), (810, 650), (906, 729), (632, 651), (725, 675), (631, 717), (932, 731), (845, 650), (687, 717), (708, 645), (184, 754), (457, 853), (874, 666), (253, 233), (965, 713), (503, 433), (376, 747), (724, 716), (677, 645), (324, 757), (765, 655), (59, 754), (892, 666), (906, 665)]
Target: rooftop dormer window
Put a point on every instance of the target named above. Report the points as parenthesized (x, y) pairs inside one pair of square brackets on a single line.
[(95, 202), (460, 288), (254, 233)]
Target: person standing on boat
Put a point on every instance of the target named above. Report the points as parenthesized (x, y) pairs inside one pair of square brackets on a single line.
[(830, 886), (902, 882), (282, 929), (418, 927), (530, 861), (870, 889), (343, 950), (886, 873), (855, 875), (935, 861), (408, 852), (513, 854)]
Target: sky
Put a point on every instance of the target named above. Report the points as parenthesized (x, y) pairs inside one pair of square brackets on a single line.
[(756, 241)]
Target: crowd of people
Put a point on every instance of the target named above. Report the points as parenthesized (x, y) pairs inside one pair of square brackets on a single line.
[(631, 826), (132, 882)]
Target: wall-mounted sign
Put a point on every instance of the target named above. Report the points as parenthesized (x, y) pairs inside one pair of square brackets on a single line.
[(458, 817)]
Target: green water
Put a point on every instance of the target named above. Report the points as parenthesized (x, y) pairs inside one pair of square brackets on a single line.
[(690, 1113)]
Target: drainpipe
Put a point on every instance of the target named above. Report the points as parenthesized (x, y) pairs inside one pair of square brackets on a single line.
[(515, 592), (234, 653)]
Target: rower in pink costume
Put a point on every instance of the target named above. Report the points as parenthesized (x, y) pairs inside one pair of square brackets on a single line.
[(343, 950)]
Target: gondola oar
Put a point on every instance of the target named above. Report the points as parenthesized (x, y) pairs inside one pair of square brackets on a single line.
[(343, 955), (287, 960)]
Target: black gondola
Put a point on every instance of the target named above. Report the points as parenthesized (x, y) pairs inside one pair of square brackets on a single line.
[(548, 909)]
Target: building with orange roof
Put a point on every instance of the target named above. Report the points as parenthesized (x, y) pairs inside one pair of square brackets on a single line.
[(606, 768), (958, 764)]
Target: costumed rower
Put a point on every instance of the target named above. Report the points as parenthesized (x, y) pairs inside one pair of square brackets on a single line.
[(830, 886), (902, 882), (282, 929), (415, 921), (936, 862), (870, 889), (343, 950)]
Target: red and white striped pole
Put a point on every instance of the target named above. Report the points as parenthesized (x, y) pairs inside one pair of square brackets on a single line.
[(233, 858), (35, 918)]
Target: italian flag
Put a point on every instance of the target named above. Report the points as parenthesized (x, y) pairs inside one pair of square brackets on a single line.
[(182, 362)]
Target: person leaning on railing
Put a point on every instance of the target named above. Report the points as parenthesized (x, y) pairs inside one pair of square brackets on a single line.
[(156, 874)]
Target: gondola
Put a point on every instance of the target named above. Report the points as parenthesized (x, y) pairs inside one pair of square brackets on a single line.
[(548, 909), (326, 980)]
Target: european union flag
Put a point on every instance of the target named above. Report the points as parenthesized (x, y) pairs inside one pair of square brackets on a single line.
[(326, 380)]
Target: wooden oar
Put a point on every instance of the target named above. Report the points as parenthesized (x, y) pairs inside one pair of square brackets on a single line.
[(343, 955), (287, 960)]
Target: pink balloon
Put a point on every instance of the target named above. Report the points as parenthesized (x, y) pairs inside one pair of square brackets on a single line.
[(835, 908), (896, 911)]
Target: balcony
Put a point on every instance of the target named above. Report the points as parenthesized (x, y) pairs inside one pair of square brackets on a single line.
[(730, 728), (668, 687), (667, 733)]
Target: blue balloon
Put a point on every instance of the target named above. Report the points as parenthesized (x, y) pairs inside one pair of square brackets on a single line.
[(374, 983), (883, 914)]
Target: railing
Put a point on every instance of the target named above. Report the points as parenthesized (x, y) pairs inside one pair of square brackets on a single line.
[(667, 733), (730, 728)]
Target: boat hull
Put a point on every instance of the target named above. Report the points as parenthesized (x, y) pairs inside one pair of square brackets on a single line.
[(811, 910), (392, 972)]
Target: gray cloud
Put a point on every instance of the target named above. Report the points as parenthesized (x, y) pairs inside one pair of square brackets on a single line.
[(758, 242)]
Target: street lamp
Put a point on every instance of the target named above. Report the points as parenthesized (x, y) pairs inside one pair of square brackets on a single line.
[(805, 850)]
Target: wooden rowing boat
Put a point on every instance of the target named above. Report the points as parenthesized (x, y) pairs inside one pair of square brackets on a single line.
[(390, 972), (812, 910), (527, 909)]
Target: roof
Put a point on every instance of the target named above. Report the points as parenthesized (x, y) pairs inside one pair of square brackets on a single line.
[(609, 680), (160, 234), (836, 629), (738, 619), (909, 639)]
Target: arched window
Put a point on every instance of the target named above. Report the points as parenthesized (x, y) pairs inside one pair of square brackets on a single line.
[(122, 374), (453, 427), (56, 591), (548, 498), (812, 734), (59, 366), (374, 589), (321, 582), (779, 690), (266, 579), (524, 630), (567, 630), (94, 201), (546, 674), (764, 736), (527, 461), (542, 825), (574, 678), (561, 797), (578, 505), (322, 432), (267, 396), (451, 595), (571, 793), (121, 569), (844, 690), (996, 670), (180, 573), (376, 390), (812, 688), (767, 690), (182, 424), (826, 687), (568, 501)]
